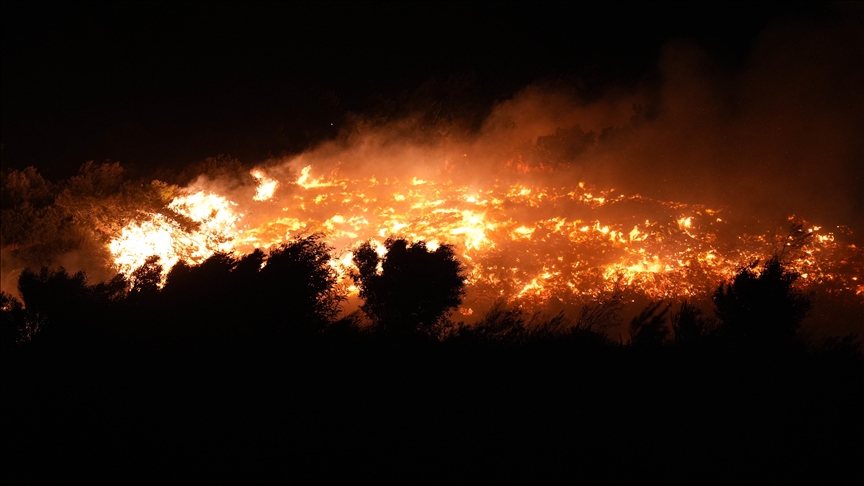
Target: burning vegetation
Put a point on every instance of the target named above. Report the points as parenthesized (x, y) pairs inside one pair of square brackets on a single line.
[(662, 280), (521, 242), (525, 199)]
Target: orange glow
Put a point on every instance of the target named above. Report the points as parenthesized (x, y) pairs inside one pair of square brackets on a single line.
[(522, 242), (266, 186), (157, 235)]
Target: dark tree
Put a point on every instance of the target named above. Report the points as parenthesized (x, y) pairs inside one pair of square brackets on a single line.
[(761, 306), (291, 290), (65, 306), (147, 277), (414, 289), (298, 284), (198, 302)]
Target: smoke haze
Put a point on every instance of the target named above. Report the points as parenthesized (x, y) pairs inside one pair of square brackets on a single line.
[(780, 136)]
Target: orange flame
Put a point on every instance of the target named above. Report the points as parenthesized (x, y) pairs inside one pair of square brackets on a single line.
[(520, 242)]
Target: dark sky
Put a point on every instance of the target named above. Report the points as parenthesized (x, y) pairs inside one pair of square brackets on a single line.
[(160, 85)]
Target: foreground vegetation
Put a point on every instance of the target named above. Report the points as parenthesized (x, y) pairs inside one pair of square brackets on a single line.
[(242, 370)]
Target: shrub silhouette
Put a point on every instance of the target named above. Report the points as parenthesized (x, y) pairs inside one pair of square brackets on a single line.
[(649, 327), (13, 322), (761, 306), (603, 314), (513, 326), (690, 325), (498, 324), (415, 288)]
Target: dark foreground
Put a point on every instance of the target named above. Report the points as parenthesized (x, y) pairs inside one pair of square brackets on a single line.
[(412, 412)]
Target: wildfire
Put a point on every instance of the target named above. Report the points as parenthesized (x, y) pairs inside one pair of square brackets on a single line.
[(266, 186), (518, 241), (157, 235)]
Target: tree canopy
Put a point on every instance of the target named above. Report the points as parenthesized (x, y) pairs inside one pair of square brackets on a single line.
[(409, 288), (761, 304)]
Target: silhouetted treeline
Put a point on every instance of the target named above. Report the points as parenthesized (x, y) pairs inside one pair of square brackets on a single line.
[(294, 291), (242, 370)]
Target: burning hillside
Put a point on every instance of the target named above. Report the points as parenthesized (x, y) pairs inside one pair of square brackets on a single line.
[(526, 243), (550, 201)]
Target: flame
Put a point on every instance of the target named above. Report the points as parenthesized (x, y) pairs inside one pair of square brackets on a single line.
[(523, 242), (155, 236), (306, 181), (158, 235), (266, 186)]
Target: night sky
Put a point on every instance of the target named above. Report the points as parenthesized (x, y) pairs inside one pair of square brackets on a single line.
[(165, 85)]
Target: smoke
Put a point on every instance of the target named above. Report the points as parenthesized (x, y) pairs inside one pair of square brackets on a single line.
[(780, 136), (777, 136)]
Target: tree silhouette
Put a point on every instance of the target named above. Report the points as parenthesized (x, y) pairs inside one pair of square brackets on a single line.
[(293, 289), (64, 305), (298, 284), (761, 306), (414, 289), (199, 302), (147, 277)]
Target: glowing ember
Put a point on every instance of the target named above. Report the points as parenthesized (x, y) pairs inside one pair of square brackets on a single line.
[(519, 242)]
